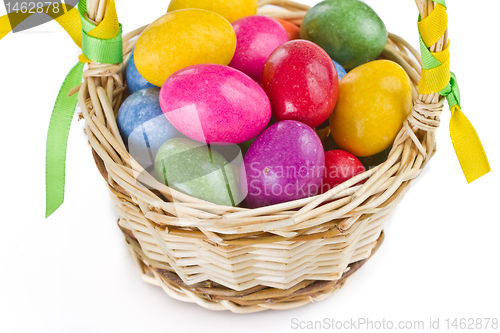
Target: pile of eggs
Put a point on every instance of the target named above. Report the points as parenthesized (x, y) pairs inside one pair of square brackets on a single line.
[(231, 107)]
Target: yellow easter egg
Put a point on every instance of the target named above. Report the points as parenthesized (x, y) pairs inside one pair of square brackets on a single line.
[(231, 10), (374, 100), (183, 38)]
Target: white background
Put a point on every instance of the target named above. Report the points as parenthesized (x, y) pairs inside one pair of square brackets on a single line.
[(72, 272)]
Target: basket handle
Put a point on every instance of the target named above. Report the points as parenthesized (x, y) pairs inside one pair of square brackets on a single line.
[(437, 79)]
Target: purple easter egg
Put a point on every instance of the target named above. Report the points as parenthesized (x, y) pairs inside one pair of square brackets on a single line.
[(215, 104), (257, 37), (285, 163)]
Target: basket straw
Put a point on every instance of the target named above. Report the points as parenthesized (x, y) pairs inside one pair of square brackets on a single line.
[(248, 260)]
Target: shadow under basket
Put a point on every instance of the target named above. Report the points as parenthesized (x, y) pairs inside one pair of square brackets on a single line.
[(249, 260)]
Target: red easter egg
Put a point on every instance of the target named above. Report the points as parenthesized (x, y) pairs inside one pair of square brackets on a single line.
[(301, 82), (340, 166)]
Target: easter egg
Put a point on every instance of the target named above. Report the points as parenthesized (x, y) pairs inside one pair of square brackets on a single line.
[(286, 162), (348, 30), (340, 166), (195, 169), (341, 72), (215, 104), (183, 38), (301, 82), (230, 10), (135, 81), (143, 126), (292, 30), (257, 37), (374, 101)]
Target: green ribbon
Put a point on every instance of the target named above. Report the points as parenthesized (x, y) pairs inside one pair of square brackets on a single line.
[(57, 139), (108, 51)]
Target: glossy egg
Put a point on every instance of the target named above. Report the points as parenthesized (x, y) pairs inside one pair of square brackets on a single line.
[(286, 162), (195, 169), (183, 38), (135, 81), (301, 82), (230, 10), (340, 166), (215, 104), (143, 126), (348, 30), (374, 101), (257, 37)]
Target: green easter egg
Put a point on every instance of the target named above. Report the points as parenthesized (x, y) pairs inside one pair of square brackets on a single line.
[(348, 30), (195, 169)]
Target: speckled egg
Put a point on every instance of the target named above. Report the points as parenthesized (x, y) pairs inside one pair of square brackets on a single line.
[(257, 37), (215, 104), (230, 10), (340, 166), (374, 101), (348, 30), (135, 81), (195, 169), (286, 162), (301, 82), (183, 38), (143, 126)]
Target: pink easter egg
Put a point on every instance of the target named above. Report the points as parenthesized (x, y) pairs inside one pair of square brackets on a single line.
[(215, 104), (256, 38)]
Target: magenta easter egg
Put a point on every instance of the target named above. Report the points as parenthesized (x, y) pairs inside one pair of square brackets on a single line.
[(256, 38), (215, 104), (286, 162), (301, 82)]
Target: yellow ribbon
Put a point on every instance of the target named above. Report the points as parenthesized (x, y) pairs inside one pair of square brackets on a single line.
[(467, 146), (107, 29), (433, 27), (437, 78), (70, 22)]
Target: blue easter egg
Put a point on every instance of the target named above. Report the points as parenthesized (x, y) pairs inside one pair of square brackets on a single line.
[(340, 70), (135, 81), (143, 126)]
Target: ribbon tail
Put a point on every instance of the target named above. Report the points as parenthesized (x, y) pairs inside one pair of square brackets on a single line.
[(57, 139), (5, 27), (468, 147)]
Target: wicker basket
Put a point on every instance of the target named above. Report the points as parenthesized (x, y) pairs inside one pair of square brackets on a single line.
[(243, 260)]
